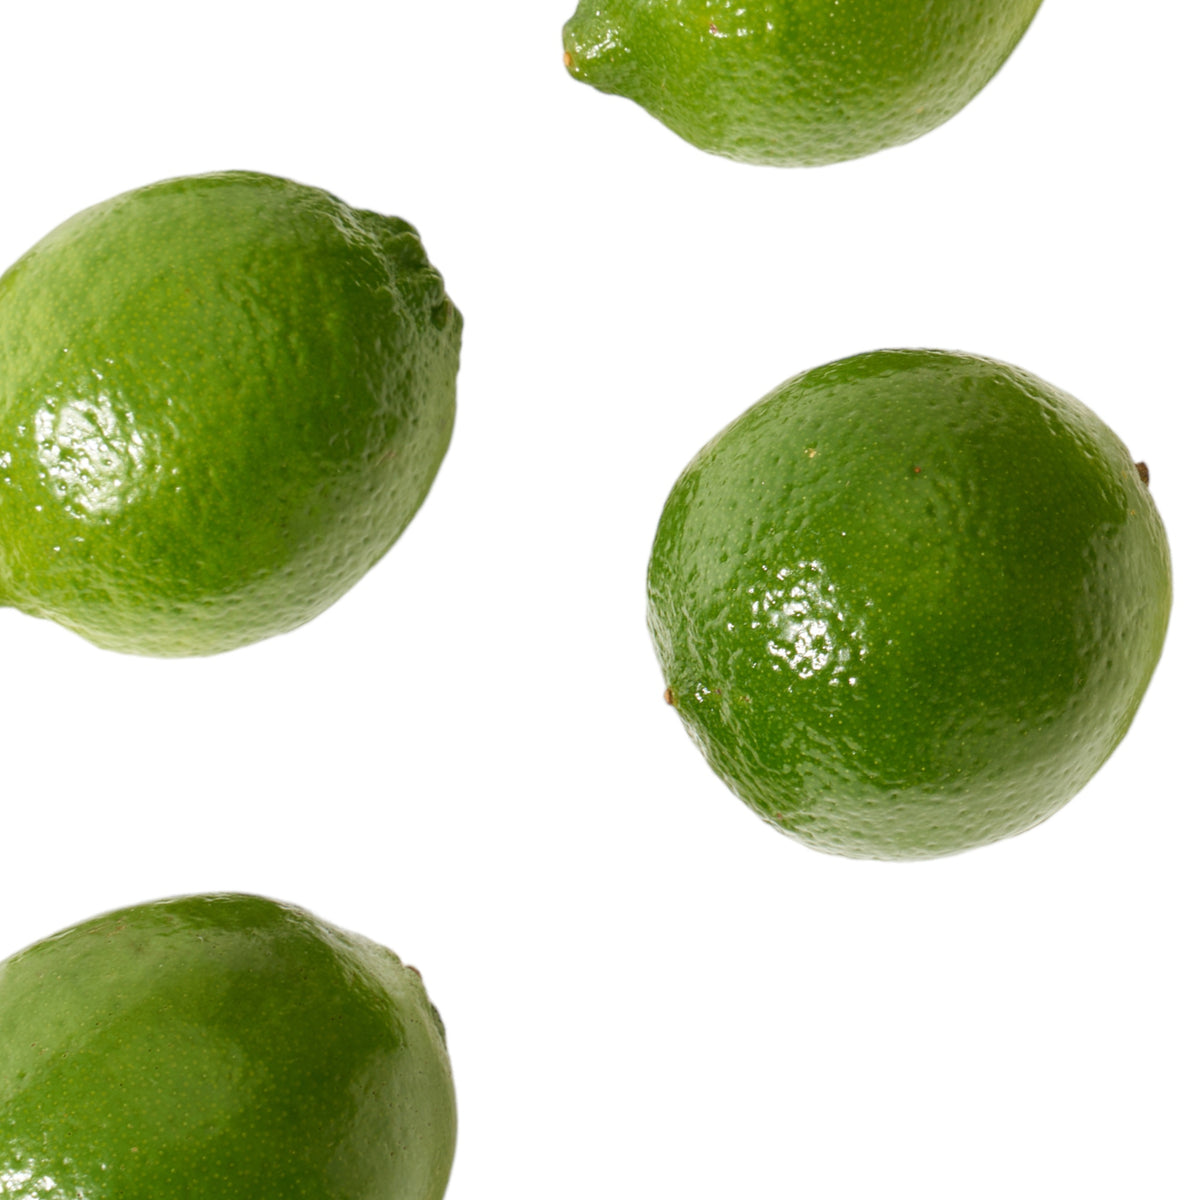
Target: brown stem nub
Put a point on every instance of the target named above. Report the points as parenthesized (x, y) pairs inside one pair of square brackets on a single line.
[(1143, 473), (669, 696)]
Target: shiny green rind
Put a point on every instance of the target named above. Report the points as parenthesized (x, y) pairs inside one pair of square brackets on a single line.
[(909, 602), (221, 1047), (795, 82), (222, 399)]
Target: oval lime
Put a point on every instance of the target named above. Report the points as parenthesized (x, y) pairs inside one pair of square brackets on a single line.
[(220, 1047), (795, 82), (909, 602), (222, 398)]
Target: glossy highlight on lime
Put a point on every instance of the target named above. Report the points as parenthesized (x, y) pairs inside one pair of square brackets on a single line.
[(222, 399), (795, 82), (909, 602), (220, 1047)]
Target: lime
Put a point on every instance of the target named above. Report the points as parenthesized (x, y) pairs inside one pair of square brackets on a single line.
[(909, 602), (220, 1047), (795, 82), (222, 398)]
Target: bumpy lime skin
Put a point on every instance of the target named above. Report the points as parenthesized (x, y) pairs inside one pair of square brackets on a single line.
[(795, 82), (222, 399), (225, 1047), (909, 602)]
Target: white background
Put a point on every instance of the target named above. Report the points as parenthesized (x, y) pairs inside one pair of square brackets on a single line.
[(648, 993)]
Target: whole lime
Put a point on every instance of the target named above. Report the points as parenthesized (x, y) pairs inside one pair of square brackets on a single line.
[(795, 82), (222, 398), (225, 1047), (909, 602)]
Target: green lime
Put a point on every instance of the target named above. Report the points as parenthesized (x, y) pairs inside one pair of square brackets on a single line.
[(222, 398), (220, 1047), (795, 82), (909, 602)]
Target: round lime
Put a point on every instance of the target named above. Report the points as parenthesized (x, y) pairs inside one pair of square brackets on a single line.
[(222, 398), (909, 602), (220, 1047), (795, 82)]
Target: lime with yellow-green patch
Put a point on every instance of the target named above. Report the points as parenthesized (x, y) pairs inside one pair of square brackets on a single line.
[(909, 602), (222, 398), (795, 82), (220, 1047)]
